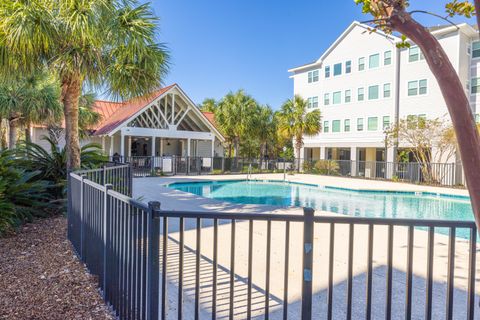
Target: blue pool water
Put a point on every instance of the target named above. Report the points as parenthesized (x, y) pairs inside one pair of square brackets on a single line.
[(355, 203)]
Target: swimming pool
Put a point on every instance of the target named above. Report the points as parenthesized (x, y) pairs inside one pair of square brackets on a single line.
[(382, 204)]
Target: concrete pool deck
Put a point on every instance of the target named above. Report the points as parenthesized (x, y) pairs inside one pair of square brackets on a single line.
[(149, 189)]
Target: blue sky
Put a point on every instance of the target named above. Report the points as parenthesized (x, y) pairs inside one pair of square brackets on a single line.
[(219, 46)]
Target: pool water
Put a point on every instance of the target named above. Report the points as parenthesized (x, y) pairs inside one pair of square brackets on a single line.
[(382, 204)]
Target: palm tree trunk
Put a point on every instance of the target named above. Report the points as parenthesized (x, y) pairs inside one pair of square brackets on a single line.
[(12, 134), (28, 131), (71, 93), (454, 94)]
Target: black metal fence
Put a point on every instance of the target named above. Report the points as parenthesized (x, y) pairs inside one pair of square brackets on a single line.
[(212, 258), (443, 174)]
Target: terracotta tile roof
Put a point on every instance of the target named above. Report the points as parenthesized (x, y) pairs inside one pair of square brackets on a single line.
[(210, 117), (114, 114)]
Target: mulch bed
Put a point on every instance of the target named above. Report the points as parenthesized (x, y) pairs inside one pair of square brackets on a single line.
[(41, 278)]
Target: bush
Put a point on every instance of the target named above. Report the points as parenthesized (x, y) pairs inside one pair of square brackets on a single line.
[(325, 167), (52, 165), (22, 195)]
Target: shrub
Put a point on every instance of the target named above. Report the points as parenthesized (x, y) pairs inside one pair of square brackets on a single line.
[(22, 195), (52, 165), (330, 167)]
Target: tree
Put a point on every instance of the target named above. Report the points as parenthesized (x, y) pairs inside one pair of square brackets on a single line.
[(208, 105), (104, 44), (28, 100), (428, 140), (235, 115), (295, 121), (392, 15), (266, 128)]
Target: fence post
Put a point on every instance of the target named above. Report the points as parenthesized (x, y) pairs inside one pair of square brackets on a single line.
[(82, 255), (104, 175), (106, 236), (153, 266), (130, 180), (308, 233)]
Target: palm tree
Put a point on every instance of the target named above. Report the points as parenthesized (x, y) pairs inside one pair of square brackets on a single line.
[(29, 100), (235, 115), (296, 121), (208, 105), (104, 44), (265, 127)]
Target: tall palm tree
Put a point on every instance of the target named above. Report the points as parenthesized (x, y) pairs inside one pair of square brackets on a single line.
[(296, 121), (208, 105), (265, 127), (104, 44), (235, 115), (28, 100)]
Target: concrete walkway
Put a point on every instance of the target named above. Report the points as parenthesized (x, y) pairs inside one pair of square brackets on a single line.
[(148, 189)]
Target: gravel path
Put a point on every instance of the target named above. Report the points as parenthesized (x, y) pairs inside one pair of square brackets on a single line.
[(41, 278)]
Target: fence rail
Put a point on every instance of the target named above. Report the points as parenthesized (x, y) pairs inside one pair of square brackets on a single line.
[(444, 174), (242, 265)]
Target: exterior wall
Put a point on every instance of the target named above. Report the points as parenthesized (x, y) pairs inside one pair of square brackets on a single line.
[(358, 42)]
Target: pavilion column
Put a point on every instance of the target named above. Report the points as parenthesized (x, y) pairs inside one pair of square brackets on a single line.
[(129, 146), (111, 145), (161, 147), (213, 147), (103, 143), (188, 147), (122, 144), (153, 146)]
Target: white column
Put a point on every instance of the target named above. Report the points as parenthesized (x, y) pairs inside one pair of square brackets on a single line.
[(122, 144), (111, 146), (188, 147), (129, 146), (353, 157), (153, 146), (322, 153), (161, 147), (213, 147), (390, 166), (103, 143)]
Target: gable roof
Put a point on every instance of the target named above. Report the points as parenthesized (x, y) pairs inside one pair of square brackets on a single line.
[(117, 114), (122, 111), (353, 25)]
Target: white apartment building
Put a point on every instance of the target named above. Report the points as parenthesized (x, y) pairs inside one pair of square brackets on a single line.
[(363, 83)]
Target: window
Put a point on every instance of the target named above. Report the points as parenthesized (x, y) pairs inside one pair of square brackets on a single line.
[(412, 88), (336, 126), (372, 124), (361, 94), (360, 124), (313, 76), (348, 96), (467, 86), (475, 85), (422, 86), (386, 122), (326, 99), (361, 64), (337, 97), (325, 126), (327, 72), (414, 54), (476, 49), (417, 87), (337, 69), (372, 92), (387, 58), (313, 102), (386, 90), (348, 66), (346, 125), (477, 118), (374, 61)]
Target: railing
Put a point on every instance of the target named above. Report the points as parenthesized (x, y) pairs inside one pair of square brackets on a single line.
[(444, 174), (155, 263), (119, 176)]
